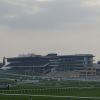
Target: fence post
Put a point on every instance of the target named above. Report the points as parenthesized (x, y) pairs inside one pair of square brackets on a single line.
[(30, 98), (68, 98)]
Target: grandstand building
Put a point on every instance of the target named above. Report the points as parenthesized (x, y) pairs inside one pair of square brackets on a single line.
[(41, 65)]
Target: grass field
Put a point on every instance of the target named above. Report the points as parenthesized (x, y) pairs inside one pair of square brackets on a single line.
[(84, 92), (52, 88), (78, 92), (39, 98)]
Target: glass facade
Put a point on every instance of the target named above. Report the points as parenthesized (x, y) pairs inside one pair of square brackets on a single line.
[(61, 63)]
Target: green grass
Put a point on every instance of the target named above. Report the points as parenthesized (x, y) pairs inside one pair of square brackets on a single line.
[(7, 81), (2, 97), (53, 84), (62, 88), (37, 98), (84, 92)]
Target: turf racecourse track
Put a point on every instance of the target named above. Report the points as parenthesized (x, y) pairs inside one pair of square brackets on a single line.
[(44, 97), (52, 94), (49, 90)]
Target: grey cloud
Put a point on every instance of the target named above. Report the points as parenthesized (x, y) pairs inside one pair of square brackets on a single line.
[(56, 14), (7, 9)]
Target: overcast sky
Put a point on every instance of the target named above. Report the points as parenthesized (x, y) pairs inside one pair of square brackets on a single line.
[(49, 26)]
